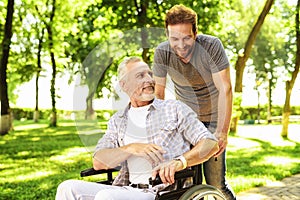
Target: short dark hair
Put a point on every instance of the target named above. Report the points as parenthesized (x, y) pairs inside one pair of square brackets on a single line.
[(180, 14)]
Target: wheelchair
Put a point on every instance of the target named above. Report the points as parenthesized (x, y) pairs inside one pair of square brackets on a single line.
[(195, 191)]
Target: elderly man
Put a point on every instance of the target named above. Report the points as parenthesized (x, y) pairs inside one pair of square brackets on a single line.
[(147, 138)]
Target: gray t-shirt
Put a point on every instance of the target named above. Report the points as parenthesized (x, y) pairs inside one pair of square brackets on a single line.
[(193, 81)]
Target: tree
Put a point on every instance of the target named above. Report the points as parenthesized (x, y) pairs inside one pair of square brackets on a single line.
[(39, 66), (133, 20), (5, 119), (270, 50), (244, 55), (290, 83), (90, 49), (49, 28), (24, 47), (134, 14), (48, 18)]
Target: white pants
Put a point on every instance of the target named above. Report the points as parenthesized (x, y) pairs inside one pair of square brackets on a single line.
[(83, 190)]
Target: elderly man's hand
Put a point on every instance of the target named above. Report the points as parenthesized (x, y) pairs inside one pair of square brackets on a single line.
[(153, 153), (167, 171)]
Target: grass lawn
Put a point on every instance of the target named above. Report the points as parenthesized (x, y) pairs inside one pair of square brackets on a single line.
[(258, 154), (36, 158)]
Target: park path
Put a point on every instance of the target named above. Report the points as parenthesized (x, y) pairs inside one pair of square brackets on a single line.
[(287, 189)]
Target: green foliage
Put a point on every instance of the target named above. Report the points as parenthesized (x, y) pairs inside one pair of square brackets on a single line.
[(91, 37), (237, 21), (209, 14), (22, 60), (107, 31), (270, 58)]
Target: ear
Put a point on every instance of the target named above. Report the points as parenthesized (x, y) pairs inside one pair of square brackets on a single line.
[(167, 32), (122, 85)]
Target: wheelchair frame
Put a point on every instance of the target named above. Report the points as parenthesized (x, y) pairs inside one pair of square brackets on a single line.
[(194, 192)]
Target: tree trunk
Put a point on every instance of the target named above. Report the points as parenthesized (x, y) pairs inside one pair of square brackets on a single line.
[(145, 45), (290, 84), (142, 19), (5, 117), (286, 111), (36, 115), (39, 66), (233, 124), (36, 110), (269, 101), (258, 106), (53, 121), (242, 58), (90, 112)]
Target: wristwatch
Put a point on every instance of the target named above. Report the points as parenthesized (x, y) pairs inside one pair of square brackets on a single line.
[(183, 160)]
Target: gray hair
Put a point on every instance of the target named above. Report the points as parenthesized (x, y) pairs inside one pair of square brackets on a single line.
[(122, 66)]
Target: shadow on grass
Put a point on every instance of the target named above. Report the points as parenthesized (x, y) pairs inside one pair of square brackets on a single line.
[(263, 162), (35, 160)]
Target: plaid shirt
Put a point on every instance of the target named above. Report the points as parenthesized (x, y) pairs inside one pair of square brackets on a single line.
[(170, 124)]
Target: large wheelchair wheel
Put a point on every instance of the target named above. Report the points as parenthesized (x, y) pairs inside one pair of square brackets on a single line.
[(206, 192)]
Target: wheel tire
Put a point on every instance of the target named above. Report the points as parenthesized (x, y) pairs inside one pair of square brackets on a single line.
[(200, 191)]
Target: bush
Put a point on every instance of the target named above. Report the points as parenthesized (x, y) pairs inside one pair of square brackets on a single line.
[(104, 114), (27, 114), (22, 113), (244, 113), (251, 112)]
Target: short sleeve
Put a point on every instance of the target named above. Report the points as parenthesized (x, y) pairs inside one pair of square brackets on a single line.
[(216, 52), (160, 62), (219, 56)]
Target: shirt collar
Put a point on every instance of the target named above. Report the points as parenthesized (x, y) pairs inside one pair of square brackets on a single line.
[(153, 106)]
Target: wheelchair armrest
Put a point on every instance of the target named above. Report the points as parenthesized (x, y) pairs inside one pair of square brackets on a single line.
[(92, 171), (183, 174)]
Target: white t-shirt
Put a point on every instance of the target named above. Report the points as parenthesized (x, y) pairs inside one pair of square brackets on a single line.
[(140, 169)]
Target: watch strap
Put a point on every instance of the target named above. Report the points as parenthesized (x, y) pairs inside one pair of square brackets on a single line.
[(183, 160)]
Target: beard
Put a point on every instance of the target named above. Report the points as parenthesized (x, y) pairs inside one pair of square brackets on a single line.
[(147, 94), (147, 97), (184, 53), (144, 94)]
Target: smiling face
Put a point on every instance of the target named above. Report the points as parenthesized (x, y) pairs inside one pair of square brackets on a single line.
[(182, 40), (138, 83)]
